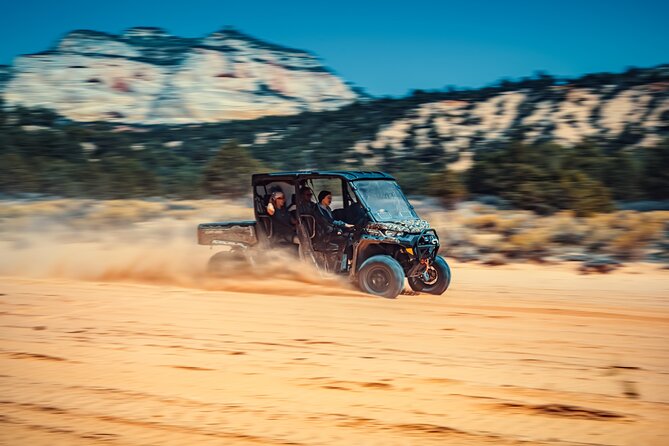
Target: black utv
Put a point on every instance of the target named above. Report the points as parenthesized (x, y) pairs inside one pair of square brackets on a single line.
[(378, 240)]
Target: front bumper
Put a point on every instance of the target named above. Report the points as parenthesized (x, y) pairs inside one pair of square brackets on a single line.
[(422, 250)]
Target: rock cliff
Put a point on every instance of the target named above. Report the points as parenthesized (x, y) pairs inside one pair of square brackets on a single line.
[(147, 76), (613, 114)]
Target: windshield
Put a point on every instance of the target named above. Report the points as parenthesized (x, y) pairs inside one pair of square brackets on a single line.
[(385, 200)]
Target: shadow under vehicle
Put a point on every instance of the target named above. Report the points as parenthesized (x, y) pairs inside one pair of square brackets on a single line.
[(388, 242)]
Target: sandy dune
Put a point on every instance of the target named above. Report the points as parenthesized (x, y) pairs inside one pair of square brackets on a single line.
[(518, 355)]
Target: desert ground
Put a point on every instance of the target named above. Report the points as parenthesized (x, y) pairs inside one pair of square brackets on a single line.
[(118, 337)]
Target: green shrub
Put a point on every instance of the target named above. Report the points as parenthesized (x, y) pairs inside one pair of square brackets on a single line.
[(229, 172), (447, 186)]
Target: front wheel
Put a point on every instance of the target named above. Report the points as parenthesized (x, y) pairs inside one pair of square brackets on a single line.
[(381, 275), (435, 280)]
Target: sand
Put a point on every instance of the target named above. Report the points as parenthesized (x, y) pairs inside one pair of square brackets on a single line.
[(519, 354)]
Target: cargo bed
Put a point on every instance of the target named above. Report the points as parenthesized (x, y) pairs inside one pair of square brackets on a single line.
[(227, 233)]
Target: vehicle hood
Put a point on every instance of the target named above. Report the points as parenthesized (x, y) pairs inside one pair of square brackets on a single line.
[(406, 226)]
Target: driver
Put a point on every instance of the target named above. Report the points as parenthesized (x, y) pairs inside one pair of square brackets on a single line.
[(324, 202), (328, 230)]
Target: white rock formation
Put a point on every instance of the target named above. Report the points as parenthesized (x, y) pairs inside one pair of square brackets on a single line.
[(567, 115), (146, 76)]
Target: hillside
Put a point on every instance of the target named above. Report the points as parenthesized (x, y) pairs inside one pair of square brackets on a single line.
[(147, 76), (602, 132)]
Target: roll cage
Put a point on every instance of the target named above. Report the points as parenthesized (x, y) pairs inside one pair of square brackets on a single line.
[(291, 182)]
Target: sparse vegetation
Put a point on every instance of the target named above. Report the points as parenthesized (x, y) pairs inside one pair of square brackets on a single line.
[(474, 230), (44, 153), (229, 171), (469, 232)]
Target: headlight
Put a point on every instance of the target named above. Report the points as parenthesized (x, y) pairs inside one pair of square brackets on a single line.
[(429, 240)]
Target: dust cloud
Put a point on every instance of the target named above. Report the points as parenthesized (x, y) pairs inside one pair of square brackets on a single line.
[(156, 252)]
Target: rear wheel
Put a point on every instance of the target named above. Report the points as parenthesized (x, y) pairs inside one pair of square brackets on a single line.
[(381, 275), (435, 280), (226, 261)]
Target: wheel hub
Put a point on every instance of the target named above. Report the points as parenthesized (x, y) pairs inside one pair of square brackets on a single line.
[(379, 280), (429, 276)]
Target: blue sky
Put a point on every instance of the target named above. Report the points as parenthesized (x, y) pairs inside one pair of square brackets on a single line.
[(386, 47)]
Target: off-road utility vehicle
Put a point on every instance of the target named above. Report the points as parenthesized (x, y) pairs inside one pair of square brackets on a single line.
[(387, 243)]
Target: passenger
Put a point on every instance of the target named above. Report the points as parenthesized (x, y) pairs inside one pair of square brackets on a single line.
[(306, 206), (282, 222)]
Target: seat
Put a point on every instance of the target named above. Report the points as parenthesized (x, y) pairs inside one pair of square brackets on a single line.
[(292, 206)]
